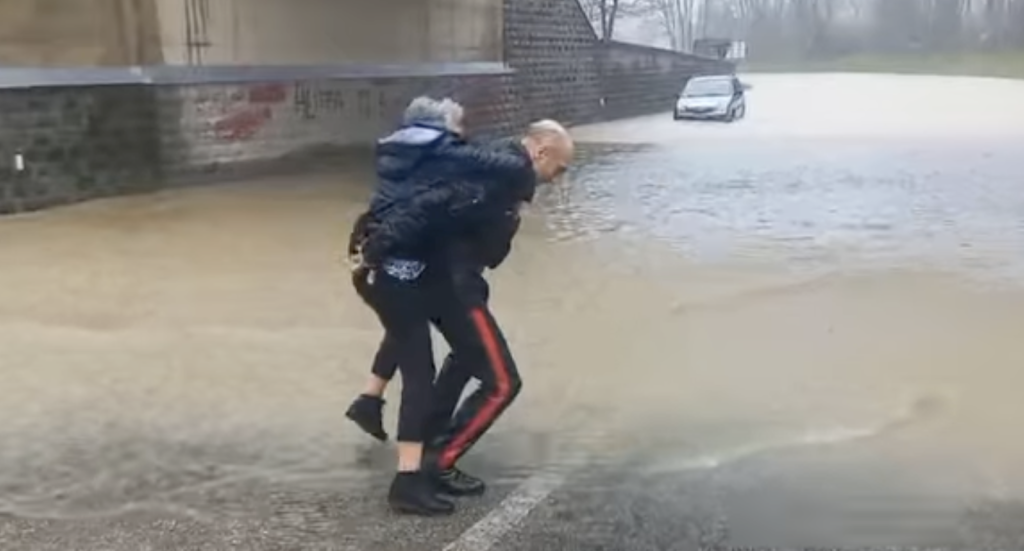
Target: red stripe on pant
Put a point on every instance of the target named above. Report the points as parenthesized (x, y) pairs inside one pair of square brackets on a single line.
[(492, 408)]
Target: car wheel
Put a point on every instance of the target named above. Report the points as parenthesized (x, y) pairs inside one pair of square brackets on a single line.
[(731, 117), (675, 115), (742, 112)]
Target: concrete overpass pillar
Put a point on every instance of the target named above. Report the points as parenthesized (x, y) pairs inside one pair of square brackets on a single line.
[(464, 30), (215, 32), (48, 33)]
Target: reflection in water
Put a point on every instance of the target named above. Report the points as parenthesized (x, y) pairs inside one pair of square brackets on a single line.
[(193, 350)]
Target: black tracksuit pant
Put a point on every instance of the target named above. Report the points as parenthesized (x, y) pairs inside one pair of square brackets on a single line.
[(385, 362), (458, 308), (479, 351), (403, 308)]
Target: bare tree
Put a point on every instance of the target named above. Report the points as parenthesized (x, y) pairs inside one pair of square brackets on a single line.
[(676, 18), (604, 13), (819, 29)]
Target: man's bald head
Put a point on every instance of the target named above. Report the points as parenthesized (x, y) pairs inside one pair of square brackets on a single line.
[(548, 127), (551, 148)]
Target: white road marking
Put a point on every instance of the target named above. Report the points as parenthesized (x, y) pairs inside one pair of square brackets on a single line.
[(489, 530), (508, 514)]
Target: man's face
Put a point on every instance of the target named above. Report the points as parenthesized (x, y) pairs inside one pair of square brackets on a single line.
[(551, 160)]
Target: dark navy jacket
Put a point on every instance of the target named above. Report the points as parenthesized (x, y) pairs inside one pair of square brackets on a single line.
[(441, 199)]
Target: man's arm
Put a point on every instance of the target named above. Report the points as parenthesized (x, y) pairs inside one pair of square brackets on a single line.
[(494, 166), (430, 212)]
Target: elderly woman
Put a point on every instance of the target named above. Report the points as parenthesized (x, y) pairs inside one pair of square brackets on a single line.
[(428, 179), (367, 409)]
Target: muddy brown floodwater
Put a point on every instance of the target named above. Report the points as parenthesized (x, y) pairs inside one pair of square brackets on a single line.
[(802, 328)]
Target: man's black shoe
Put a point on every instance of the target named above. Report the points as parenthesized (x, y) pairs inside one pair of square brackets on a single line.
[(456, 483), (414, 494), (367, 412)]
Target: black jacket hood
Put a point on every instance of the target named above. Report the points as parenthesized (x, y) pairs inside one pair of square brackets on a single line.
[(400, 153)]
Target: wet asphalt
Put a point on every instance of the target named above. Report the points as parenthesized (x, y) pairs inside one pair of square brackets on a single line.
[(796, 331)]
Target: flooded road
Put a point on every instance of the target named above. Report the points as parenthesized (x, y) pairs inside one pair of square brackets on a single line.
[(799, 329)]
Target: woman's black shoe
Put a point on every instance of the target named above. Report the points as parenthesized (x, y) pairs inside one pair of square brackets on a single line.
[(413, 493), (367, 412)]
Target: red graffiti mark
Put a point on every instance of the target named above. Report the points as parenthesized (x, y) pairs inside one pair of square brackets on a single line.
[(242, 125), (268, 93)]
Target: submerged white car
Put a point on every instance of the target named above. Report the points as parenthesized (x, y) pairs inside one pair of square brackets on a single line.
[(719, 97)]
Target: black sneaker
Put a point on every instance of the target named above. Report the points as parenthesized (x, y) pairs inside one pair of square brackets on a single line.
[(456, 483), (414, 494), (367, 412)]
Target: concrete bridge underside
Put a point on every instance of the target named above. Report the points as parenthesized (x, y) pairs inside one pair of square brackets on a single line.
[(243, 32)]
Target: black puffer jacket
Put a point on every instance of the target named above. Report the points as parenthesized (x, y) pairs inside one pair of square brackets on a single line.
[(435, 189), (484, 239)]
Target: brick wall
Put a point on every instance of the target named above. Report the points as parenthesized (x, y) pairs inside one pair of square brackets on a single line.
[(75, 143), (553, 49), (638, 80), (84, 142)]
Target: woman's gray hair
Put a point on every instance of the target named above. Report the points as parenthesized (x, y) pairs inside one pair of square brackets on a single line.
[(426, 110)]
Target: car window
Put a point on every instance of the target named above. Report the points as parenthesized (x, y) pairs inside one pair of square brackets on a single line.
[(708, 87)]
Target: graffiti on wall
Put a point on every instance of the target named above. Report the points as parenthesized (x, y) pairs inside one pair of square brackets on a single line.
[(245, 122), (237, 113), (255, 112), (311, 101), (315, 100)]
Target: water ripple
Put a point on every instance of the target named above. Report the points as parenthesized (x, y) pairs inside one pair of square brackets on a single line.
[(949, 206)]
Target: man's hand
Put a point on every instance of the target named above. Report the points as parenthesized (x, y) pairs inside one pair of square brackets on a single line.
[(356, 262), (357, 241)]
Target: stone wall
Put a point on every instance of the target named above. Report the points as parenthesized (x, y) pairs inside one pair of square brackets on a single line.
[(75, 143), (214, 131), (637, 80), (143, 130), (565, 72), (553, 49)]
